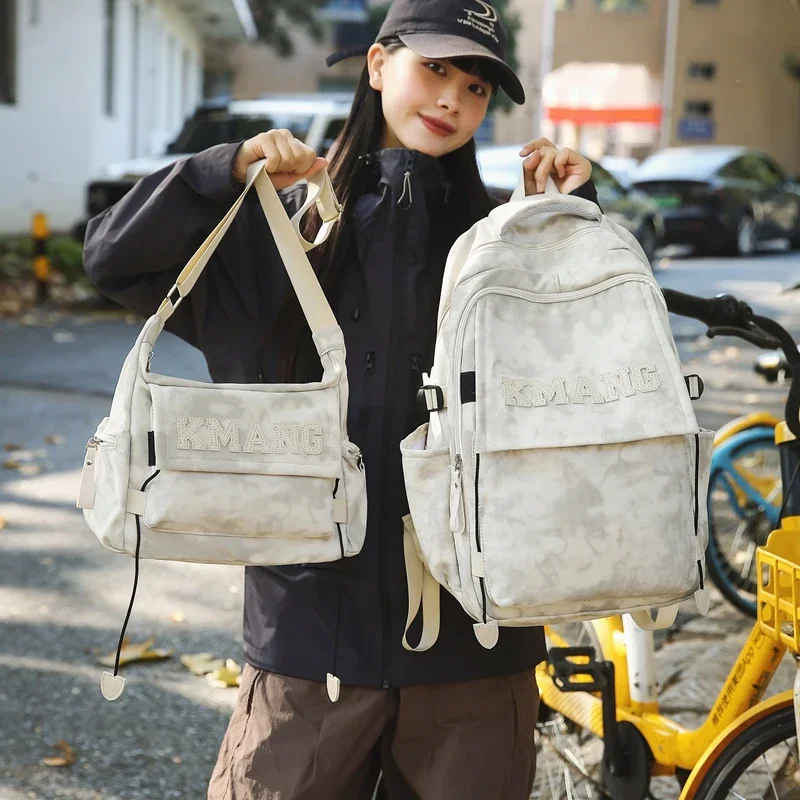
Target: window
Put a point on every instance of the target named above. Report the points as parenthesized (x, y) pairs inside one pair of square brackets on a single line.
[(608, 188), (753, 168), (704, 70), (8, 51), (565, 5), (699, 108), (110, 22), (623, 5)]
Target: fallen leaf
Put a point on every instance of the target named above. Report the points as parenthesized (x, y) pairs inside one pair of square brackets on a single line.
[(65, 760), (54, 438), (135, 652), (223, 677), (2, 523), (202, 663), (30, 469), (177, 616), (10, 463), (176, 759), (11, 447), (47, 561)]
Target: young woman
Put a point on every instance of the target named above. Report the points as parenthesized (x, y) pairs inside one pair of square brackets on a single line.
[(456, 721)]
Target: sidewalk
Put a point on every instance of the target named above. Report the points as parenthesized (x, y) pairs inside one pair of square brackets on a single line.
[(62, 597)]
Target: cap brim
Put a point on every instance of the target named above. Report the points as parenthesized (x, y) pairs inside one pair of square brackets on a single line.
[(439, 45)]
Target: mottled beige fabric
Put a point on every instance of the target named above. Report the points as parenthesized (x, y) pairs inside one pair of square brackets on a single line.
[(576, 491)]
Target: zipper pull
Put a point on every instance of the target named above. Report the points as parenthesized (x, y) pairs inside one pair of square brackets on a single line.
[(457, 521), (369, 362), (86, 486), (149, 359)]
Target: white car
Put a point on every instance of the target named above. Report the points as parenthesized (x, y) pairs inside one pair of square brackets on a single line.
[(501, 167), (316, 119)]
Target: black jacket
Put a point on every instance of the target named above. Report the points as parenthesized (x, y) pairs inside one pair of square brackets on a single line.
[(298, 619)]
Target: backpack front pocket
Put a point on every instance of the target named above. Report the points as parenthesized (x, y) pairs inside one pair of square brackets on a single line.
[(265, 465)]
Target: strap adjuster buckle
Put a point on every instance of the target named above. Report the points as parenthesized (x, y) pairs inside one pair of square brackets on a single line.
[(695, 385), (432, 396)]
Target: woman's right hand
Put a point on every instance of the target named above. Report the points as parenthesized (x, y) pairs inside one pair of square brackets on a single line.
[(288, 159)]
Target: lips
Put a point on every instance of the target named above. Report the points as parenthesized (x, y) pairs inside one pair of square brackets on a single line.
[(437, 126)]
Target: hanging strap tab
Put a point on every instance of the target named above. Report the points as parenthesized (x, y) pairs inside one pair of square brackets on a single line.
[(423, 590)]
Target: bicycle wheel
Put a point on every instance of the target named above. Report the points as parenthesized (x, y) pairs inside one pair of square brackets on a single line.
[(761, 763), (738, 523), (568, 758)]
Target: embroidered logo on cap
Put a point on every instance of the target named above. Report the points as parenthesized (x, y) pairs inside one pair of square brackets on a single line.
[(482, 21)]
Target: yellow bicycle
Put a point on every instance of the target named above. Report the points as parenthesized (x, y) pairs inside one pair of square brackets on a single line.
[(601, 734)]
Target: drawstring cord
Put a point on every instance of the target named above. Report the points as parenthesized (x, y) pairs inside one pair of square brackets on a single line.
[(332, 679), (135, 583), (406, 191)]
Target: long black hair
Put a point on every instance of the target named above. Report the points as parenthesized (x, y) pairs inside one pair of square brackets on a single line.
[(362, 133)]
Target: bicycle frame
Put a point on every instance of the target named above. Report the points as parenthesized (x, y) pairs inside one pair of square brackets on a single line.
[(633, 654), (750, 487)]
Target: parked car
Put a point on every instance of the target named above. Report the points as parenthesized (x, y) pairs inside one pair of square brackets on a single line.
[(623, 169), (721, 199), (501, 166), (316, 119)]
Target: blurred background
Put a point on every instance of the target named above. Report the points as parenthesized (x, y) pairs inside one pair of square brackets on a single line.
[(690, 113)]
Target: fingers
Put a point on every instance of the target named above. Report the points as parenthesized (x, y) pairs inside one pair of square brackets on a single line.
[(282, 152), (528, 170), (316, 166), (545, 167), (536, 144)]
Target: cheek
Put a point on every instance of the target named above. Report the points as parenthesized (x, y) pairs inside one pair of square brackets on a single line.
[(404, 95)]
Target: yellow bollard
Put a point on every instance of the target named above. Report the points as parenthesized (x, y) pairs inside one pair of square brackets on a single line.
[(41, 261)]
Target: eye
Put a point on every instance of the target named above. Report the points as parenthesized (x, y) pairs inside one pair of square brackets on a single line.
[(436, 67), (479, 90)]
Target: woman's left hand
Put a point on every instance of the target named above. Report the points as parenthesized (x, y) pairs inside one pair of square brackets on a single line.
[(568, 169)]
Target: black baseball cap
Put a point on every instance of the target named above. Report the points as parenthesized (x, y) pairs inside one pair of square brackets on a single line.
[(445, 29)]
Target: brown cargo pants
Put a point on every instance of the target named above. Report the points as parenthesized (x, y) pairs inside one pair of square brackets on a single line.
[(466, 741)]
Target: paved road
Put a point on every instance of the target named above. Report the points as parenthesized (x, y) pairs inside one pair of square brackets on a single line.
[(62, 598)]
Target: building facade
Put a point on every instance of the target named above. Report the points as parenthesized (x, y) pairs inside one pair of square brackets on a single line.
[(89, 82)]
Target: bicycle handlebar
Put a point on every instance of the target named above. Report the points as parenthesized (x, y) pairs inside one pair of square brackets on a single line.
[(724, 315)]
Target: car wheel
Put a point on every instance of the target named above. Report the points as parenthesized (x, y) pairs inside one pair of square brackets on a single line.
[(745, 243), (648, 239)]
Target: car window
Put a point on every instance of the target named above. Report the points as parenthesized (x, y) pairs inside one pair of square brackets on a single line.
[(739, 169), (331, 132), (245, 127), (218, 127), (604, 180), (774, 173)]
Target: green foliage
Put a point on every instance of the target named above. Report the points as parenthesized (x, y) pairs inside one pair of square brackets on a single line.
[(66, 255), (16, 257), (512, 21), (276, 18)]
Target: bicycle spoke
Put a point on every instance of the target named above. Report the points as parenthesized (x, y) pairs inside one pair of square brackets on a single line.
[(737, 537), (748, 563), (769, 773)]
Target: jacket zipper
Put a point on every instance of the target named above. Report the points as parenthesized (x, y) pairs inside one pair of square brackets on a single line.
[(404, 204)]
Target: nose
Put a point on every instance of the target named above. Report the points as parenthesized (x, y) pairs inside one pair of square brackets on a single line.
[(449, 100)]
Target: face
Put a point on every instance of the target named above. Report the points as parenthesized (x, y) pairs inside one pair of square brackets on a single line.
[(429, 105)]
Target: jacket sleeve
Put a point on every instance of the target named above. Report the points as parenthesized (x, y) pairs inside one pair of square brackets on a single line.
[(134, 251), (588, 191)]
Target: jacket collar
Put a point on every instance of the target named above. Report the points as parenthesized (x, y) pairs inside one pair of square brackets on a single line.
[(405, 171)]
